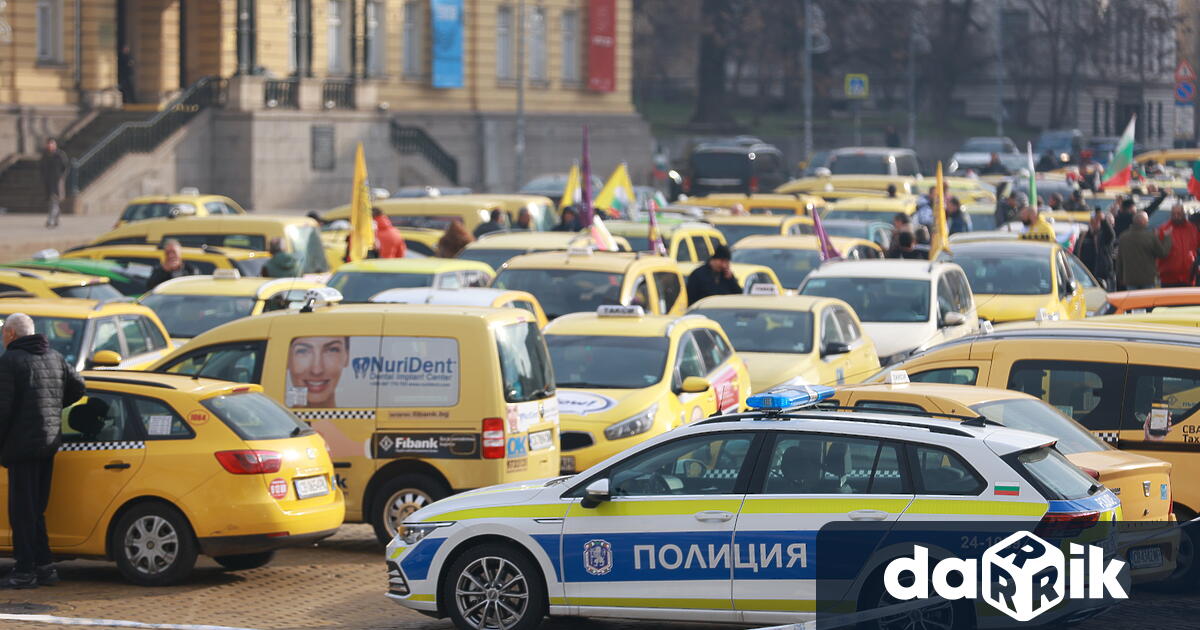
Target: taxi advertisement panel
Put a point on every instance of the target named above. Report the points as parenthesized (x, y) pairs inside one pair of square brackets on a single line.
[(367, 372)]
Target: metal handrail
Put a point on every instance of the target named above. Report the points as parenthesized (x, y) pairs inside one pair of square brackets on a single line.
[(409, 140), (145, 136)]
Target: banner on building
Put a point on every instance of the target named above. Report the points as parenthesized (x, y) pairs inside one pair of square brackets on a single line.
[(447, 19), (602, 45)]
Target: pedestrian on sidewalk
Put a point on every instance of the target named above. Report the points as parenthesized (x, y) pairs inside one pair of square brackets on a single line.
[(54, 166), (282, 263), (36, 383), (1138, 251), (172, 265)]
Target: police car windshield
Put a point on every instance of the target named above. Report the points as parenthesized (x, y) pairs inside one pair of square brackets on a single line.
[(359, 286), (604, 362), (563, 291), (189, 315), (1005, 275), (887, 300), (64, 334), (1052, 474), (765, 331), (792, 266), (735, 233), (1037, 416)]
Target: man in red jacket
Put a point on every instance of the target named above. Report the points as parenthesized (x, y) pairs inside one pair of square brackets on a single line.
[(389, 240), (1176, 270)]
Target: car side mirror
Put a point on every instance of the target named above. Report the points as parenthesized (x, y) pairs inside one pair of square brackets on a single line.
[(954, 318), (694, 385), (105, 358), (595, 494), (834, 347)]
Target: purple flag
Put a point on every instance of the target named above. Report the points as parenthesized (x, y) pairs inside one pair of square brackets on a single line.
[(585, 184), (828, 251)]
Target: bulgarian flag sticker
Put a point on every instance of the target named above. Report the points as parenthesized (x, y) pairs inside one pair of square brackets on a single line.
[(1006, 489)]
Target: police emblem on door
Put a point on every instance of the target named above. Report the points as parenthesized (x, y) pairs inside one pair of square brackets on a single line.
[(597, 557)]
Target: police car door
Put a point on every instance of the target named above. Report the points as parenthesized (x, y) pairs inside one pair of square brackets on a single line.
[(663, 539), (804, 481)]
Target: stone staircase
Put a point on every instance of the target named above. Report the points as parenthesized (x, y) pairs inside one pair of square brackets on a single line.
[(21, 184)]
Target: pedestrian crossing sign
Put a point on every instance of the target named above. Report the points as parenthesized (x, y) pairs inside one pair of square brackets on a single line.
[(857, 86)]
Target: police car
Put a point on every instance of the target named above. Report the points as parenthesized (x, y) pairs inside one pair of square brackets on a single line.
[(716, 521)]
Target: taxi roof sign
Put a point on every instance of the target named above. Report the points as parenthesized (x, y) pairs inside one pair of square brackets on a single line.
[(897, 377), (620, 310), (763, 288), (323, 296), (226, 274), (790, 397)]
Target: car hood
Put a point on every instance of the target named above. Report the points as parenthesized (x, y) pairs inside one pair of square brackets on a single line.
[(768, 369), (514, 496), (891, 338), (603, 406), (998, 308)]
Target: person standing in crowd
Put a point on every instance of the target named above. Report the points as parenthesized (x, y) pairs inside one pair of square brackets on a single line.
[(891, 191), (495, 223), (1177, 269), (54, 166), (1056, 201), (282, 263), (125, 74), (714, 277), (1036, 226), (1047, 162), (1138, 251), (901, 223), (1076, 202), (454, 240), (906, 248), (891, 137), (524, 220), (1007, 208), (36, 383), (994, 166), (1095, 248), (570, 221), (172, 265), (925, 208), (389, 242), (1128, 210), (957, 219)]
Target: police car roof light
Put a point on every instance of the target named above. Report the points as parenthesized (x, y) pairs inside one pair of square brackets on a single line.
[(620, 310), (789, 397)]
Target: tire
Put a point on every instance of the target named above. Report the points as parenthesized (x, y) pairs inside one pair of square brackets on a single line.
[(1186, 576), (399, 497), (946, 614), (154, 545), (245, 561), (512, 587)]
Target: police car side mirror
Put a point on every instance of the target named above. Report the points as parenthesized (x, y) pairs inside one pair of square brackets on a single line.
[(595, 494), (954, 318), (105, 358)]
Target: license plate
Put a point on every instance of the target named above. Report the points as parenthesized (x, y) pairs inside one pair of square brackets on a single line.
[(1145, 557), (310, 487), (541, 440), (566, 464)]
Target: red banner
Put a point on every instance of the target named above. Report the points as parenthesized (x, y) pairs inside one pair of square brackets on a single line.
[(602, 45)]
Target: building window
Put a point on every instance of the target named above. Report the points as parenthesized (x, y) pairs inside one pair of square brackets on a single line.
[(570, 47), (300, 38), (414, 40), (376, 39), (1160, 120), (339, 36), (1095, 117), (504, 44), (49, 31), (1107, 117), (537, 46)]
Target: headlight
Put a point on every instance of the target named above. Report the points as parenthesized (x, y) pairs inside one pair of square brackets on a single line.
[(629, 427), (415, 532)]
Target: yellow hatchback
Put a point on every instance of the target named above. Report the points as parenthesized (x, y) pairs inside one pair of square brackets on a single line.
[(497, 248), (624, 377), (204, 259), (92, 333), (191, 305), (358, 281), (42, 283), (155, 469), (762, 203), (738, 227), (794, 257), (178, 205), (685, 241), (1015, 280)]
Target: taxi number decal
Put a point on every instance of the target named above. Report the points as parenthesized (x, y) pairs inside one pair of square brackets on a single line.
[(197, 417)]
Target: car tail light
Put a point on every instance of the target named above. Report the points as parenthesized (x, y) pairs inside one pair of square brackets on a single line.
[(493, 438), (1094, 474), (1066, 524), (687, 184), (754, 184), (250, 462)]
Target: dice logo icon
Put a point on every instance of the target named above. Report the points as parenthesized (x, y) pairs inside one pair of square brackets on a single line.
[(1023, 576)]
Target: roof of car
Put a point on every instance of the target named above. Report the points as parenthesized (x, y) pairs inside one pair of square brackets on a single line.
[(755, 219), (51, 277), (877, 204), (880, 268), (415, 265), (619, 326), (177, 198), (220, 223), (472, 296), (613, 262), (154, 250), (772, 302), (1006, 247), (69, 307), (1083, 330), (531, 240), (872, 151), (964, 395), (249, 287), (665, 228), (794, 241)]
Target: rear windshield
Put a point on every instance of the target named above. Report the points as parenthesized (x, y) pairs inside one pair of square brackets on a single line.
[(859, 165), (563, 291), (359, 286), (427, 221), (94, 291), (792, 266), (143, 211), (307, 246), (720, 165), (877, 299), (494, 258), (765, 331), (249, 268), (858, 215), (1038, 417), (524, 363), (1050, 472), (256, 242), (254, 416), (189, 315), (734, 233)]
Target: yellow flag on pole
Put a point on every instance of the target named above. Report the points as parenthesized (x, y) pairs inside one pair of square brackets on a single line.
[(618, 193), (939, 241), (571, 191), (362, 228)]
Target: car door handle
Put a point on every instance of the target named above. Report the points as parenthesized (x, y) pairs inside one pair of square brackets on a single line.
[(868, 515), (117, 465), (713, 516)]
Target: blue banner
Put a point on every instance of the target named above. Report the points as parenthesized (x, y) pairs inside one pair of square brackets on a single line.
[(447, 43)]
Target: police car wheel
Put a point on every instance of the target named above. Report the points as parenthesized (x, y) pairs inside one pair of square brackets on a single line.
[(943, 615), (398, 498), (245, 561), (491, 587), (1186, 576), (154, 546)]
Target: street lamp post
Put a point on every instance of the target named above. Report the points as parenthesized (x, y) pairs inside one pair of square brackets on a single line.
[(999, 68), (808, 84), (519, 145), (912, 82)]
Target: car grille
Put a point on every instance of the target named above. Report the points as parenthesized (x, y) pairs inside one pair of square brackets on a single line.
[(575, 440), (397, 585)]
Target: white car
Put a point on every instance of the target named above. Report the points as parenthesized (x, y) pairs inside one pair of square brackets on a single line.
[(904, 305), (718, 521), (976, 153)]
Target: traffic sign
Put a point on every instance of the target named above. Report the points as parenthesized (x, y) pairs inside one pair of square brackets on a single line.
[(1185, 92), (857, 86), (1184, 71)]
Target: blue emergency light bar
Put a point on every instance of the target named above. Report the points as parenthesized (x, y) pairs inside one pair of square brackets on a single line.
[(790, 397)]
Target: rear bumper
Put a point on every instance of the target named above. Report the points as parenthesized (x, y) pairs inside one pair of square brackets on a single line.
[(258, 543)]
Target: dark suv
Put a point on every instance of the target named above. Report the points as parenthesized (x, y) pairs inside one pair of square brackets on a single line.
[(744, 166)]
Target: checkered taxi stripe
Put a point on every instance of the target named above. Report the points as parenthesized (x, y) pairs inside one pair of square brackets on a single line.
[(103, 446), (335, 414), (1112, 437)]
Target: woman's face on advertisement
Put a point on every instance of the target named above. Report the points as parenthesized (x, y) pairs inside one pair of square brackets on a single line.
[(316, 364)]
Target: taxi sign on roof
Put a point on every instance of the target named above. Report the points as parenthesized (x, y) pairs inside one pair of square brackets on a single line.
[(789, 397), (226, 274), (763, 288), (619, 310), (897, 377)]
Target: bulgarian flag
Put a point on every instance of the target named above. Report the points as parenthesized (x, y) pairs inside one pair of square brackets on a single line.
[(1194, 180), (618, 193), (1120, 168)]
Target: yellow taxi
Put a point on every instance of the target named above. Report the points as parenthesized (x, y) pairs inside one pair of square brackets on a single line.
[(183, 204), (493, 298), (832, 187), (747, 275), (761, 203), (793, 340), (43, 283), (738, 227), (1020, 279), (793, 257), (871, 209), (156, 469), (416, 402), (1125, 473), (1175, 158), (1178, 316), (431, 213), (583, 280), (96, 333), (686, 241), (497, 248), (358, 281), (301, 236), (624, 377), (542, 213), (421, 241), (191, 305), (205, 259), (970, 190)]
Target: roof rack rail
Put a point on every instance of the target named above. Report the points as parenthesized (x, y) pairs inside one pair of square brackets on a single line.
[(978, 421), (129, 381), (810, 415)]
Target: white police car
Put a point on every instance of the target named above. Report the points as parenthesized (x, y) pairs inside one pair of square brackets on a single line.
[(716, 521)]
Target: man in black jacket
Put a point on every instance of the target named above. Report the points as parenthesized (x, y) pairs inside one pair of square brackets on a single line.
[(714, 277), (36, 383), (1095, 248), (172, 266), (1128, 209)]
